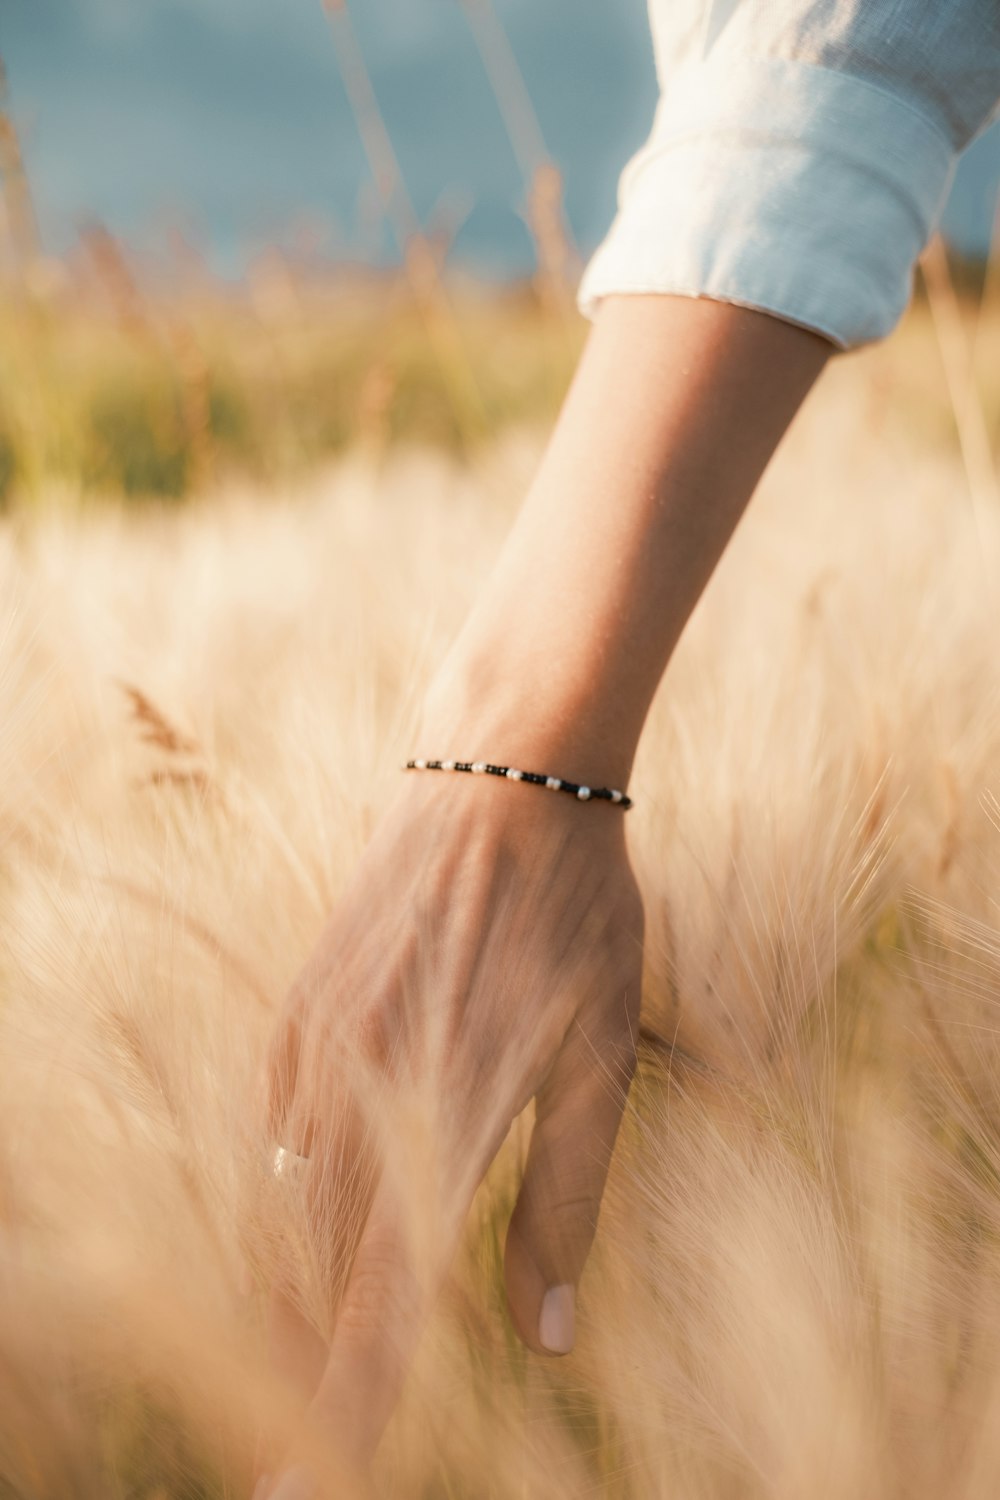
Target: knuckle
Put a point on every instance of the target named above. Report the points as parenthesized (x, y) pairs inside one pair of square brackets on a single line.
[(577, 1207), (365, 1299), (379, 1284), (372, 1297), (570, 1226)]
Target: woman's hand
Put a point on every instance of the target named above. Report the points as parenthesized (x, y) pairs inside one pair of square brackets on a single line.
[(488, 952)]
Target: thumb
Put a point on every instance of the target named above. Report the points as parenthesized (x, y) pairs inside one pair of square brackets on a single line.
[(578, 1111)]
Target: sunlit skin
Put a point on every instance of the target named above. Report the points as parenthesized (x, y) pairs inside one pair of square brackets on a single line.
[(675, 410)]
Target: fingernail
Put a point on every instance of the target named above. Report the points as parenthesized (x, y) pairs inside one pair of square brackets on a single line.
[(556, 1320), (260, 1488), (297, 1484)]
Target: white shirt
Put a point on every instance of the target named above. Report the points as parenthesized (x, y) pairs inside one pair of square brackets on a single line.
[(800, 154)]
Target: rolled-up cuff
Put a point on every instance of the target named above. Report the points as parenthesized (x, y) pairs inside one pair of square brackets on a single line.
[(801, 191)]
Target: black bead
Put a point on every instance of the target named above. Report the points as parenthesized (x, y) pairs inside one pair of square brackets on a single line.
[(537, 778)]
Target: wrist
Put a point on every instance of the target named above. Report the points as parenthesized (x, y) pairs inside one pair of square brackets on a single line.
[(498, 708)]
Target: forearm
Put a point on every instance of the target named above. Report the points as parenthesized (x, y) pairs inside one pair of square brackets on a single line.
[(676, 407)]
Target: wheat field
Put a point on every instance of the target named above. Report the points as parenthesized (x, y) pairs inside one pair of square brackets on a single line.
[(795, 1288)]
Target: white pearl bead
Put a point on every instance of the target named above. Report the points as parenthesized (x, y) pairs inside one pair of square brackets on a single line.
[(583, 793), (553, 783), (447, 765), (616, 796), (513, 775), (479, 765), (420, 765)]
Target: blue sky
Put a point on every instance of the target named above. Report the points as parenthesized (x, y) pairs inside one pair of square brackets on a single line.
[(228, 118)]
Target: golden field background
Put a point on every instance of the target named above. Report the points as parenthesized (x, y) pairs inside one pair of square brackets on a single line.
[(795, 1288)]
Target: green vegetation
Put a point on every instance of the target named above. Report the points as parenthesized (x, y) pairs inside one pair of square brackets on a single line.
[(108, 390), (157, 398)]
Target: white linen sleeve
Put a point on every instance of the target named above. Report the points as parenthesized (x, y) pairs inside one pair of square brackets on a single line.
[(800, 154)]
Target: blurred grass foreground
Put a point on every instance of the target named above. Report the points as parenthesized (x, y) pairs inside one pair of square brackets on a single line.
[(795, 1287)]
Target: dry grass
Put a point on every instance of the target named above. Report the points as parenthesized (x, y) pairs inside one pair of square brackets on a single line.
[(796, 1284)]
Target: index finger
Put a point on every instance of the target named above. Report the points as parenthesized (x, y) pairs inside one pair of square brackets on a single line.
[(399, 1268), (378, 1324)]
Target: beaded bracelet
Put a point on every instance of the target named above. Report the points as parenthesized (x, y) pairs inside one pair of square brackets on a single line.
[(554, 783)]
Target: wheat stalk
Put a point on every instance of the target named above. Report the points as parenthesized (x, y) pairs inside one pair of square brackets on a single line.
[(959, 366), (558, 259)]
